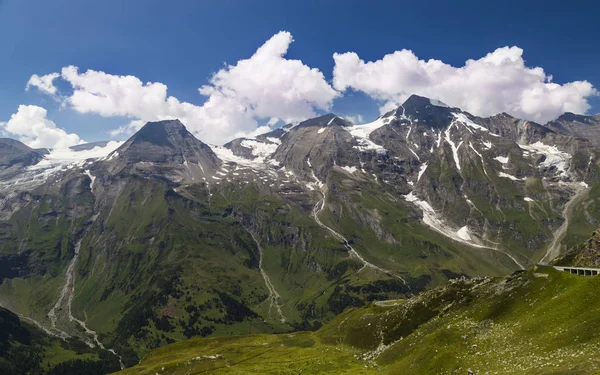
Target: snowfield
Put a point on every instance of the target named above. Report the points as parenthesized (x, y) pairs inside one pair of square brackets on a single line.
[(554, 157)]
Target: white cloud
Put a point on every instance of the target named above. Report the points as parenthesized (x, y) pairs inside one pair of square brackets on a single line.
[(498, 82), (264, 86), (256, 132), (355, 119), (269, 85), (33, 128), (43, 83)]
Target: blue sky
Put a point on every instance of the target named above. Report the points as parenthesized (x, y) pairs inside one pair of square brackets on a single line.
[(180, 44)]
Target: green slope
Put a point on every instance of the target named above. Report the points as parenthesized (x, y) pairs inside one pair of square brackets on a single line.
[(541, 321)]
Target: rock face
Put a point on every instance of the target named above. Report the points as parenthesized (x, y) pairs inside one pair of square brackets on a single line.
[(586, 254), (313, 147), (586, 127), (16, 156)]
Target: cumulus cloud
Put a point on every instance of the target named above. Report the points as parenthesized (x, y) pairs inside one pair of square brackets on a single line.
[(269, 85), (497, 82), (264, 86), (31, 125), (43, 83)]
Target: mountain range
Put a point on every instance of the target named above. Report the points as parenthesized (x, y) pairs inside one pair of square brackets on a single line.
[(166, 238)]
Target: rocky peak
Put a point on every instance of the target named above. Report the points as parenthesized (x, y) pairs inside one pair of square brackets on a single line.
[(314, 146), (161, 141), (168, 145), (429, 112), (571, 124), (162, 133), (10, 148), (15, 156), (514, 129), (329, 119), (573, 117)]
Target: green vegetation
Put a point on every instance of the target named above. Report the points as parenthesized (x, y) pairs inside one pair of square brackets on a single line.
[(541, 321), (386, 230), (25, 349)]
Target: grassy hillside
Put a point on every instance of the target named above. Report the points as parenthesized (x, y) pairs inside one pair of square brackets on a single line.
[(540, 321)]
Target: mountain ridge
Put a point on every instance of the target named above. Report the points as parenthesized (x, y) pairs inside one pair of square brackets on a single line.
[(168, 238)]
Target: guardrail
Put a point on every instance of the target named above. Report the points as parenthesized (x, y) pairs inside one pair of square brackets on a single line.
[(581, 271)]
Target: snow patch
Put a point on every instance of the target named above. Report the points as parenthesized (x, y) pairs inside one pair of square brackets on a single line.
[(506, 175), (59, 160), (321, 130), (502, 159), (453, 146), (527, 199), (68, 156), (431, 219), (228, 156), (362, 133), (274, 140), (438, 103), (316, 184), (463, 233), (260, 149), (422, 169), (92, 178), (350, 170), (554, 157), (462, 118)]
